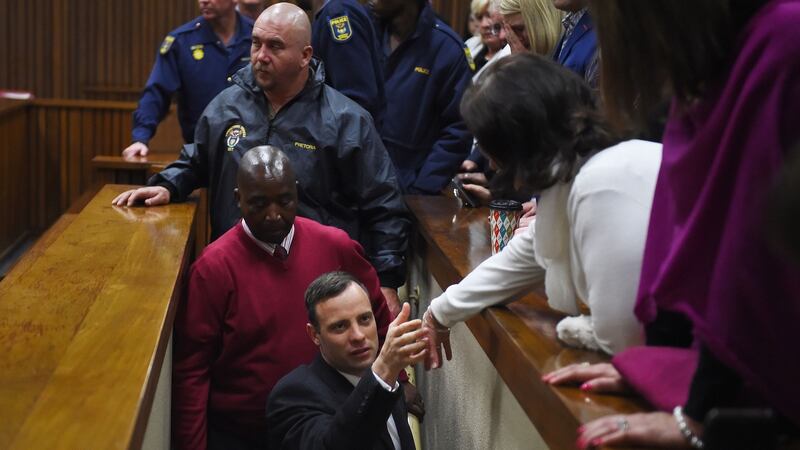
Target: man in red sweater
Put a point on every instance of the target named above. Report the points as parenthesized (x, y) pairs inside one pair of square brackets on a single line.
[(242, 325)]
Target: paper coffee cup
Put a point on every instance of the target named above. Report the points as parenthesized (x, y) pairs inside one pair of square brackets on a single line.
[(503, 220)]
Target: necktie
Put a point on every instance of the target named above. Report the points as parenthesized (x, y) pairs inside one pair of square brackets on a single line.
[(280, 253)]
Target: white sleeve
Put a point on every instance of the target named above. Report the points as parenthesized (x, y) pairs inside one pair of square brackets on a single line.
[(609, 227), (384, 384), (500, 278)]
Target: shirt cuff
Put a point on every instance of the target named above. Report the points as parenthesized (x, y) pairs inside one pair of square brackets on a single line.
[(383, 383)]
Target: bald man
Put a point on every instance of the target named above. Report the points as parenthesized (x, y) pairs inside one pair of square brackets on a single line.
[(242, 326), (345, 177)]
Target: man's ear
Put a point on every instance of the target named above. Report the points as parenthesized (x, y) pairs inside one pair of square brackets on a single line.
[(312, 334), (308, 52)]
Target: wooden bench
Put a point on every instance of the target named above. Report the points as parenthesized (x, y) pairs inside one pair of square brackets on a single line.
[(85, 324), (519, 338)]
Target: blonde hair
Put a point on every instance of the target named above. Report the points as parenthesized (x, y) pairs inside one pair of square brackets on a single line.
[(542, 22), (478, 6)]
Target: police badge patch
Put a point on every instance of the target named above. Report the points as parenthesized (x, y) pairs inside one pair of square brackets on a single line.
[(340, 28), (197, 52), (166, 44), (233, 135)]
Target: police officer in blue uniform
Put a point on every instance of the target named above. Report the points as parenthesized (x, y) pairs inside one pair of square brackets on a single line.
[(344, 39), (426, 68), (195, 60)]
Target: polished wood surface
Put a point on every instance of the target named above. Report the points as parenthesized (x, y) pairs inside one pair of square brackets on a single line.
[(133, 163), (519, 338), (85, 319)]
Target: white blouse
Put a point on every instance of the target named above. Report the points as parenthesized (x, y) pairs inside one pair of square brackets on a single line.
[(585, 244)]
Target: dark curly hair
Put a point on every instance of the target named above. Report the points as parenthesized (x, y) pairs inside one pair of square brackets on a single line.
[(537, 120)]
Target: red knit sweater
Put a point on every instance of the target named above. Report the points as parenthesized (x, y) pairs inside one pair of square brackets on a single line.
[(242, 326)]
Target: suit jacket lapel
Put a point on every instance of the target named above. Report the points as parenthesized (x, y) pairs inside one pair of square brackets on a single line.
[(582, 27)]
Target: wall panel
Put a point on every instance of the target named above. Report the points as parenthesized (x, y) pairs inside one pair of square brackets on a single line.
[(101, 49), (67, 134), (62, 49), (14, 177)]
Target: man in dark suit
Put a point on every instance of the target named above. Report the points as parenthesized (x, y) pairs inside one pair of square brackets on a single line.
[(577, 48), (349, 397)]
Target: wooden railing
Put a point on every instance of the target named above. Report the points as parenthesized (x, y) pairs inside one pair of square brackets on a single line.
[(519, 338), (87, 317), (46, 152)]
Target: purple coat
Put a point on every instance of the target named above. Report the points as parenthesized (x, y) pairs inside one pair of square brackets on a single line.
[(706, 254)]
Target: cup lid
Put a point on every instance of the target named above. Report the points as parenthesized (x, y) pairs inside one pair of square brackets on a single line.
[(505, 205)]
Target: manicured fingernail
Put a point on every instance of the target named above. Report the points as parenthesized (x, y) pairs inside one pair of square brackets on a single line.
[(597, 442), (586, 386)]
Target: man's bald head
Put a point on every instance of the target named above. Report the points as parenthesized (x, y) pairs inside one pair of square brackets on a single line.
[(266, 193), (281, 52), (291, 17), (265, 163)]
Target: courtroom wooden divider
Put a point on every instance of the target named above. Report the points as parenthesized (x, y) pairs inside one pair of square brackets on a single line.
[(64, 136), (14, 189), (46, 152), (64, 49), (102, 50)]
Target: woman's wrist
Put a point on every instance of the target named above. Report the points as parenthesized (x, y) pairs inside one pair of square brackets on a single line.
[(689, 428), (433, 322)]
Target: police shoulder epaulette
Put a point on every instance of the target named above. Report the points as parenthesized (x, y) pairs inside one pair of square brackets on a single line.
[(167, 44)]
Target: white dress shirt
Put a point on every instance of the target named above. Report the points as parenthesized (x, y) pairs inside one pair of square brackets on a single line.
[(270, 248)]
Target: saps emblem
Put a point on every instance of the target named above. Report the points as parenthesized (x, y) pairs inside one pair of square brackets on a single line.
[(233, 135), (197, 52), (340, 28)]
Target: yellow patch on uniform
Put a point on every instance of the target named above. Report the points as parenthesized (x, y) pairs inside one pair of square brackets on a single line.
[(197, 52), (233, 135), (166, 44), (340, 28), (305, 146), (470, 61), (422, 70)]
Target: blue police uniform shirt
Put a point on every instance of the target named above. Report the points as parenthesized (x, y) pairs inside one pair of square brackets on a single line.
[(422, 128), (193, 62), (344, 38)]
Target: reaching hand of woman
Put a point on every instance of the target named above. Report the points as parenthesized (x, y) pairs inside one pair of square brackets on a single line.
[(651, 430), (599, 378), (438, 337)]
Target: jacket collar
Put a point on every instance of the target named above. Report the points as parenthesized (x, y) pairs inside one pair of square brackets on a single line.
[(330, 376), (244, 78)]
